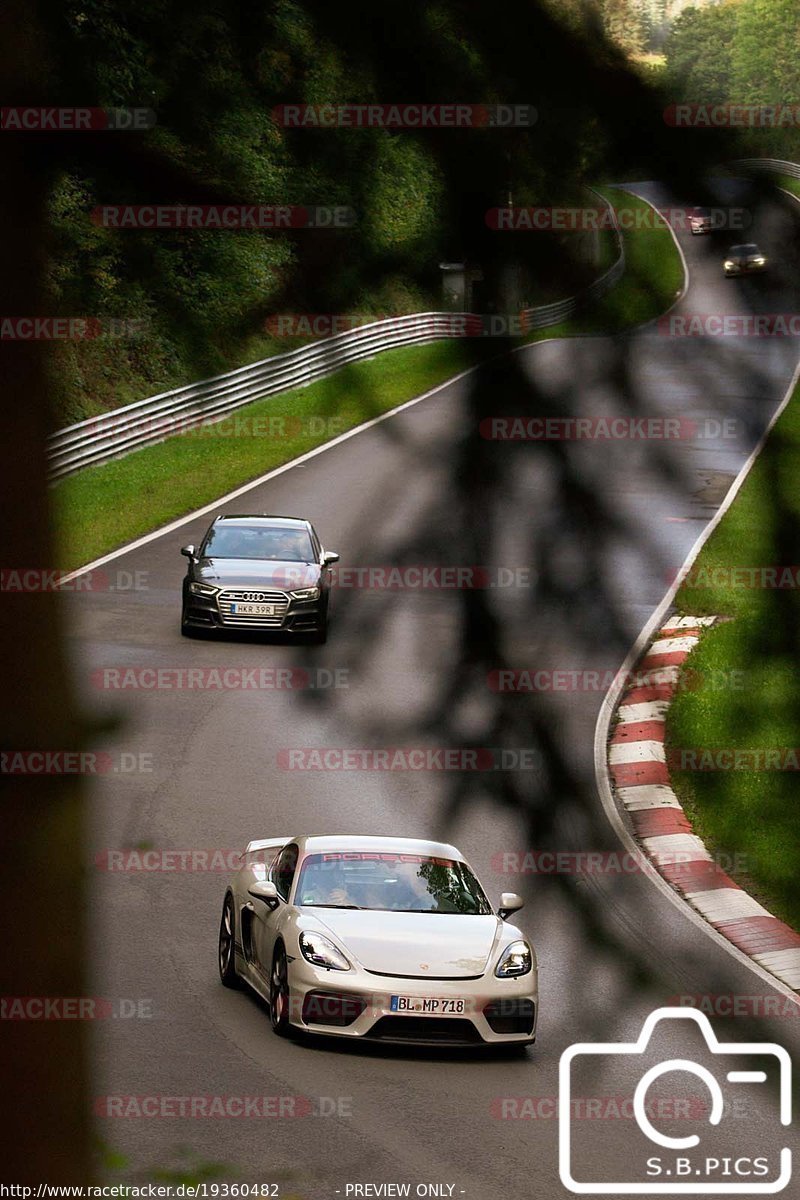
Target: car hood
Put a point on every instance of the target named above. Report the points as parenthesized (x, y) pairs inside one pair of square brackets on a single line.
[(422, 945), (243, 572)]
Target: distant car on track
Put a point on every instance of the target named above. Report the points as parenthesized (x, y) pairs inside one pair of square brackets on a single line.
[(746, 259), (380, 938), (700, 220), (261, 573)]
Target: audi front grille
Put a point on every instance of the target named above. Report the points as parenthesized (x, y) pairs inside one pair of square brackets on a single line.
[(231, 597)]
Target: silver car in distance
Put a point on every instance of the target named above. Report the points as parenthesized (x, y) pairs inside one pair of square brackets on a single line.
[(382, 938)]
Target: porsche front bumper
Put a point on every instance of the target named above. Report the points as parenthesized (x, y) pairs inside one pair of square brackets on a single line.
[(459, 1012)]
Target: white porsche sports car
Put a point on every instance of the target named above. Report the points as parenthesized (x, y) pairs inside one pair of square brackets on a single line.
[(377, 937)]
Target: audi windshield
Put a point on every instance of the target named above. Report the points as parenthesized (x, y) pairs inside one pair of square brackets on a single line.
[(249, 541)]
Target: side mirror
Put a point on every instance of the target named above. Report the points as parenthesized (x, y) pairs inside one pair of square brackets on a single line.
[(510, 903), (264, 891), (329, 557), (188, 551)]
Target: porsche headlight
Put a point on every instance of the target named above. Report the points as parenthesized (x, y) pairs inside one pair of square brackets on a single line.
[(311, 593), (728, 264), (203, 589), (759, 260), (320, 951), (515, 960)]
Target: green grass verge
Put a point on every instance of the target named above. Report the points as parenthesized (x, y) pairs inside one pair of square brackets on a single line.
[(748, 698), (789, 183), (104, 507), (653, 270), (653, 275)]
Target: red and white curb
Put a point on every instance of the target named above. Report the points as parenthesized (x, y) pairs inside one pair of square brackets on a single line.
[(638, 768)]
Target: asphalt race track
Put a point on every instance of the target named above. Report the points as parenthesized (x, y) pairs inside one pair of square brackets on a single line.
[(590, 535)]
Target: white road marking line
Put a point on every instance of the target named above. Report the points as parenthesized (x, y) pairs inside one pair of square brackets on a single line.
[(621, 684), (254, 483)]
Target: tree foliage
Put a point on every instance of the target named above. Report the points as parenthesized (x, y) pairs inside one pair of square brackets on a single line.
[(741, 52), (214, 74)]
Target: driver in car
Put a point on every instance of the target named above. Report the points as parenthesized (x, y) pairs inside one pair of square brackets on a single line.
[(332, 890), (284, 545)]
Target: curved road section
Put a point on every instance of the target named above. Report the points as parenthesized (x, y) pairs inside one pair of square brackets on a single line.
[(566, 542)]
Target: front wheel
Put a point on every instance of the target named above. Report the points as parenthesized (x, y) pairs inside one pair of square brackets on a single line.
[(279, 993), (227, 945)]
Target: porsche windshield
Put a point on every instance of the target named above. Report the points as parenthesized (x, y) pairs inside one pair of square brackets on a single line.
[(253, 541), (390, 882)]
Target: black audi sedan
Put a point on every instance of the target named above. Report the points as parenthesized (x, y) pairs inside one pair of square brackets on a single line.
[(262, 573)]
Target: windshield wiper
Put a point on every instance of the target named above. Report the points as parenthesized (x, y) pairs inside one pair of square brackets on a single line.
[(313, 904)]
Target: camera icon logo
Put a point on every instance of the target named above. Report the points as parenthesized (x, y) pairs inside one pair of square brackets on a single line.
[(682, 1166)]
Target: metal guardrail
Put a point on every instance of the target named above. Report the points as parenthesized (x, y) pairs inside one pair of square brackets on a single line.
[(99, 439), (769, 164)]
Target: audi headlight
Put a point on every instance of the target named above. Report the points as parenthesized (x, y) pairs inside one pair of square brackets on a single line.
[(311, 593), (728, 264), (759, 260), (515, 960), (320, 951), (203, 589)]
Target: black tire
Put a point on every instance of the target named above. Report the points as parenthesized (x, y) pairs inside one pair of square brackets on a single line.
[(226, 956), (279, 995)]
